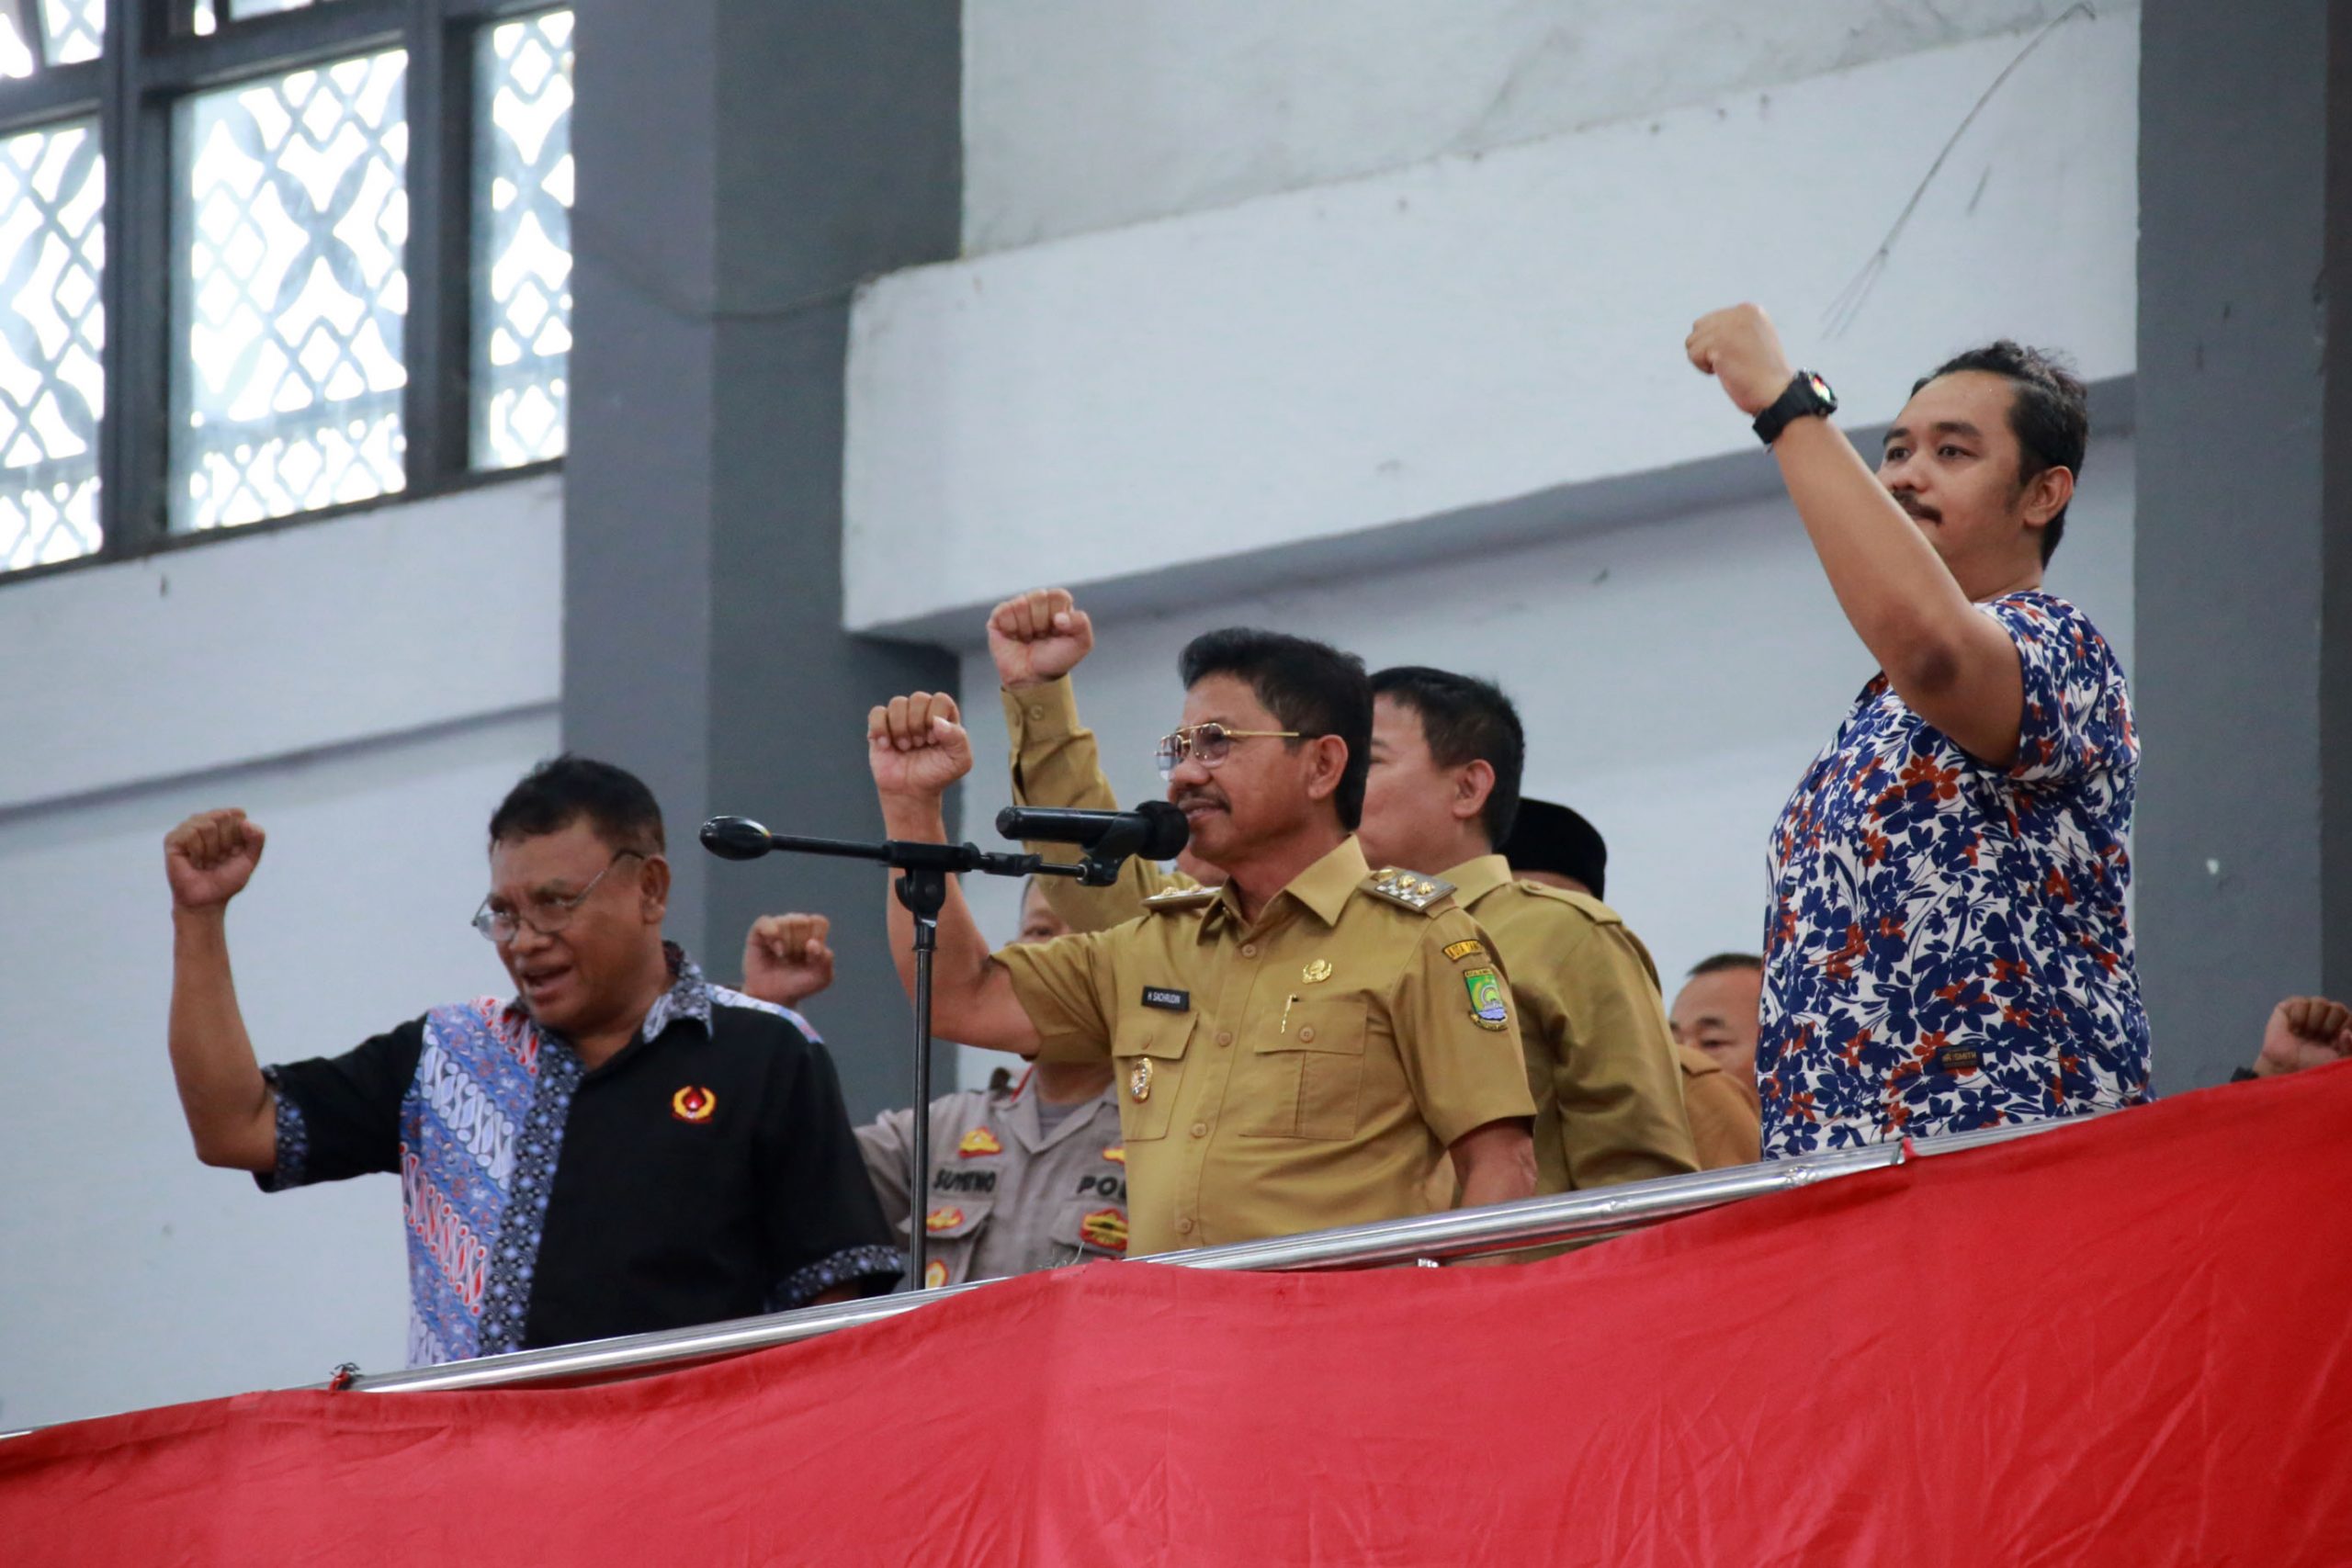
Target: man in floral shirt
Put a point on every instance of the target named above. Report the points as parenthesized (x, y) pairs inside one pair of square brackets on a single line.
[(1946, 946)]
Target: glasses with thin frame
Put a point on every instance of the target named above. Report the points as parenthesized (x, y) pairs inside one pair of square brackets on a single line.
[(1210, 744), (549, 913)]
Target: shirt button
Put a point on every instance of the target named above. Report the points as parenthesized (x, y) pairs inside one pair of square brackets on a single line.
[(1248, 950), (1036, 710), (1200, 1129), (1184, 1225), (1306, 1033), (1225, 1037)]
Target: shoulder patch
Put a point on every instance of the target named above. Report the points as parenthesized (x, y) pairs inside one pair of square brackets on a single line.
[(1182, 899), (1600, 913), (1408, 889)]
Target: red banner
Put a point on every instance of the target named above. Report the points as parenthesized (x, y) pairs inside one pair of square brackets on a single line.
[(2120, 1343)]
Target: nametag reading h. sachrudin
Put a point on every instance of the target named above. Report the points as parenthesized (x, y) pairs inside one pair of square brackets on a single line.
[(1167, 1000)]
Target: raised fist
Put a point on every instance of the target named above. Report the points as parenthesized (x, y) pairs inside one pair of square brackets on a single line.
[(786, 960), (210, 858), (1740, 348), (2305, 1031), (916, 746), (1037, 637)]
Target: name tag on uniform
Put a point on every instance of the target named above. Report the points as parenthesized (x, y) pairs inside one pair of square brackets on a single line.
[(1167, 1000)]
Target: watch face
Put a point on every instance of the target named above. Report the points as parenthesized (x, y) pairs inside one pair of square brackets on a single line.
[(1821, 389)]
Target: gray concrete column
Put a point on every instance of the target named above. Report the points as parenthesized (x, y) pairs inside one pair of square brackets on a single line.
[(742, 165), (2244, 645)]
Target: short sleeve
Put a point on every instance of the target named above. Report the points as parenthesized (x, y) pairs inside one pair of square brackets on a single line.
[(1067, 987), (1457, 1032), (340, 1116), (825, 1225), (2077, 718)]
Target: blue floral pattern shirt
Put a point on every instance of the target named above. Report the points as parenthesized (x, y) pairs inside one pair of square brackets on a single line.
[(1946, 946)]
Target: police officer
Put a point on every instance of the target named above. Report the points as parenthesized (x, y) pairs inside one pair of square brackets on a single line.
[(1025, 1174), (1442, 790), (1293, 1050)]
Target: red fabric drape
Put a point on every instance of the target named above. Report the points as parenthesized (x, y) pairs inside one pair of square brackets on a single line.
[(2121, 1343)]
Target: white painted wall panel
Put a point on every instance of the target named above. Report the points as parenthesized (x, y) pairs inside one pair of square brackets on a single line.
[(1674, 679), (1080, 116), (385, 620), (1336, 368)]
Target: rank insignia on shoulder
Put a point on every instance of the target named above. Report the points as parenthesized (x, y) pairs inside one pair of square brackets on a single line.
[(1466, 948), (943, 1220), (934, 1274), (1105, 1228), (978, 1141), (1410, 888), (1182, 897), (1487, 1009), (692, 1104)]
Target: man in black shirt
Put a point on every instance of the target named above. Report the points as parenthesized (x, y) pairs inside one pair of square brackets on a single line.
[(623, 1148)]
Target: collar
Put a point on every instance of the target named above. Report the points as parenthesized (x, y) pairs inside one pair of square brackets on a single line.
[(688, 998), (1324, 887), (1474, 879)]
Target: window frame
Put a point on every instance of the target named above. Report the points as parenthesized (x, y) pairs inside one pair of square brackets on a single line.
[(153, 58)]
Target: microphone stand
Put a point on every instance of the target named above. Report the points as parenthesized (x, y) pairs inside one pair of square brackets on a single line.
[(921, 885)]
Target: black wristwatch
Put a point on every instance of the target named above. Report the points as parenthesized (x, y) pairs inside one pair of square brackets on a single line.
[(1808, 397)]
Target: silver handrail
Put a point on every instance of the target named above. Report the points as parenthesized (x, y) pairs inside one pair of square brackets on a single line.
[(1457, 1233)]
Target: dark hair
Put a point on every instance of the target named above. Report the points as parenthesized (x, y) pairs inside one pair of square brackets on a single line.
[(562, 789), (1309, 687), (1465, 720), (2049, 413), (1723, 962)]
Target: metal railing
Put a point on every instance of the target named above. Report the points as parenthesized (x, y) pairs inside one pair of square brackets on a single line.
[(1457, 1233)]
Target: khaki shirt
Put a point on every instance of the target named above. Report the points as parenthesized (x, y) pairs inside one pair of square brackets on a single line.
[(1725, 1123), (1601, 1062), (1006, 1195), (1307, 1071)]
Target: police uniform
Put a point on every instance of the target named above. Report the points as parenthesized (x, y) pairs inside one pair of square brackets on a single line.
[(1600, 1062), (1725, 1123), (1007, 1194), (1304, 1071)]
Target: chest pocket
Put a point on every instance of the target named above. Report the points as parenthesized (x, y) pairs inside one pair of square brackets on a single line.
[(1307, 1081), (1087, 1230), (1147, 1052)]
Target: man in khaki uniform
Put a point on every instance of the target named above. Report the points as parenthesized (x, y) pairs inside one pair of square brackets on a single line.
[(1441, 787), (1293, 1050), (1025, 1175)]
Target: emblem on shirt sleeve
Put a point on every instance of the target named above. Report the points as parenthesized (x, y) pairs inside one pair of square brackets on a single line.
[(1486, 1007), (692, 1104), (1139, 1080), (978, 1141), (1466, 948), (1105, 1228), (943, 1220), (934, 1274)]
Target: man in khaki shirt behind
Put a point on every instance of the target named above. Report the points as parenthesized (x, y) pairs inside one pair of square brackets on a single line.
[(1293, 1050), (1441, 790)]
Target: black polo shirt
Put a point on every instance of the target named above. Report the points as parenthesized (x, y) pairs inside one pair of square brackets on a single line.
[(705, 1171)]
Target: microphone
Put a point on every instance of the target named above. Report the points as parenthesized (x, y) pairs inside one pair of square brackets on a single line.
[(735, 838), (1156, 830)]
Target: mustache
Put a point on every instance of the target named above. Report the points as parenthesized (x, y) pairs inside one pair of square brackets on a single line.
[(1197, 794), (1913, 507)]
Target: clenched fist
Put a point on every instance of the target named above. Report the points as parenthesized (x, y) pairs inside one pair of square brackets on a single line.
[(786, 960), (1740, 348), (1037, 637), (210, 858), (917, 747), (2305, 1031)]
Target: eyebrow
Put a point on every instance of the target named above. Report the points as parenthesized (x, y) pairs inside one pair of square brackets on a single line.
[(1941, 427)]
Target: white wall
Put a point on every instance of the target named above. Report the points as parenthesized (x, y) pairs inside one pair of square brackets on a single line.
[(368, 688), (1080, 116), (1675, 678), (1453, 354)]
